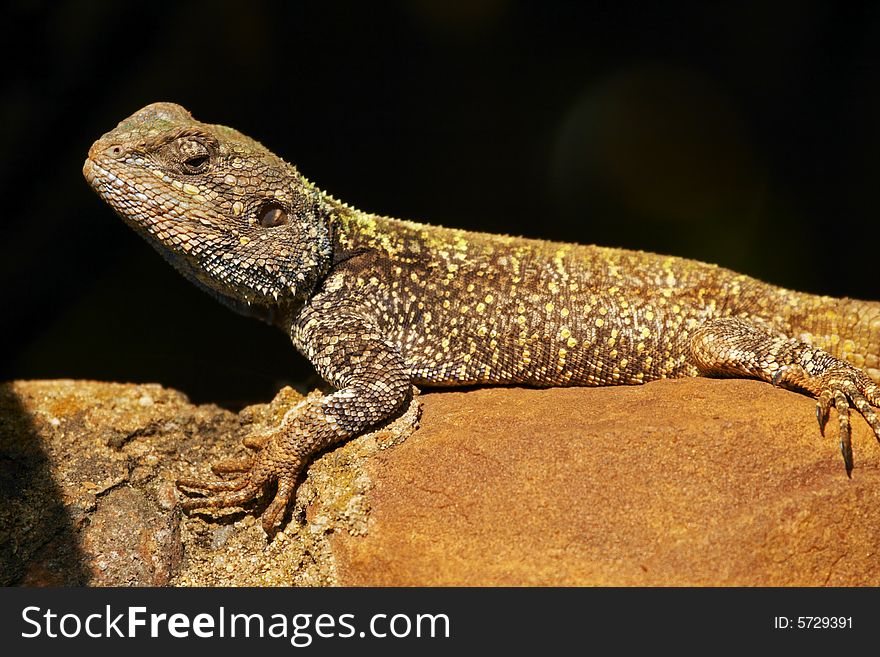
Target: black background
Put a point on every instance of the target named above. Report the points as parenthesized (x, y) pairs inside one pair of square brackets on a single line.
[(744, 134)]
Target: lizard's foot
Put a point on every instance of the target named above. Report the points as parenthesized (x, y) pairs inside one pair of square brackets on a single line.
[(253, 476), (843, 387)]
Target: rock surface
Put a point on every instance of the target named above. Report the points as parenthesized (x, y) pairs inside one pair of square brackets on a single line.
[(689, 482), (87, 471)]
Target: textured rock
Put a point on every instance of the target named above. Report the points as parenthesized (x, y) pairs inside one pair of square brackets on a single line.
[(688, 482), (87, 472), (672, 483)]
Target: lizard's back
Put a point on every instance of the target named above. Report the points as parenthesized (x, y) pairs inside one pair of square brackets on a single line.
[(471, 307)]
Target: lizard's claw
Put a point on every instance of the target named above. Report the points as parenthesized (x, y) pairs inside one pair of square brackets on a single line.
[(823, 409), (841, 403), (844, 387), (254, 475)]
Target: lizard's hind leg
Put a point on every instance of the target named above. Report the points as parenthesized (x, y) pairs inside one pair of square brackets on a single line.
[(746, 348)]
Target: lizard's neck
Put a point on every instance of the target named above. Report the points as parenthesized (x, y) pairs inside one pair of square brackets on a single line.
[(353, 231)]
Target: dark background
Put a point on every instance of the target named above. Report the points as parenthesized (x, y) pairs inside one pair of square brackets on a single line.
[(743, 134)]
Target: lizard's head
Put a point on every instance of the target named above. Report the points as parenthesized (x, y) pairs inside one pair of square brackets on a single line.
[(232, 217)]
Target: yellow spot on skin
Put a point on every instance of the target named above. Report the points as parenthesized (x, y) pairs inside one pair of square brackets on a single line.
[(446, 303), (237, 208), (549, 307), (572, 342), (521, 320), (600, 322), (190, 189), (649, 315), (564, 312), (490, 299), (645, 332), (481, 307), (244, 240), (482, 331), (623, 363), (565, 334)]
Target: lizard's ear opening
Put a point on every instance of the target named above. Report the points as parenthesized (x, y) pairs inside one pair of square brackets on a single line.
[(271, 215)]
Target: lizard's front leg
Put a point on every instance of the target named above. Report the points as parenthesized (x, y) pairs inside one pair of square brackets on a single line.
[(349, 352), (740, 347)]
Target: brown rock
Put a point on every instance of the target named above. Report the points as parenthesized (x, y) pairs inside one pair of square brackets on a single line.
[(87, 472), (688, 482), (672, 483)]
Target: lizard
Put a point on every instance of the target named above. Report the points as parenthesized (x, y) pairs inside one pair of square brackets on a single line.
[(379, 304)]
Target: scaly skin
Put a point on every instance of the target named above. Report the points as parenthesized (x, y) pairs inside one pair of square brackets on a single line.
[(378, 304)]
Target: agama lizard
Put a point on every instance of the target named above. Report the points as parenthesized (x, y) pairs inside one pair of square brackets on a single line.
[(379, 304)]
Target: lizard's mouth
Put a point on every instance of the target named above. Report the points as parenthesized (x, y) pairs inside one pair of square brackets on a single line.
[(156, 215), (176, 237), (159, 218)]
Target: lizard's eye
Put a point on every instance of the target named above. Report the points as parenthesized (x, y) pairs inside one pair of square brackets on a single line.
[(271, 215), (196, 164), (194, 154)]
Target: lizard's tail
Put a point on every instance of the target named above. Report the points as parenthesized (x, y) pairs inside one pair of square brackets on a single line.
[(846, 328)]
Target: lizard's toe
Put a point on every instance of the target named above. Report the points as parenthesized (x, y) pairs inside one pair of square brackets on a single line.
[(223, 499), (274, 513), (252, 476), (847, 390), (216, 486), (823, 409), (845, 433), (223, 493), (844, 387)]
